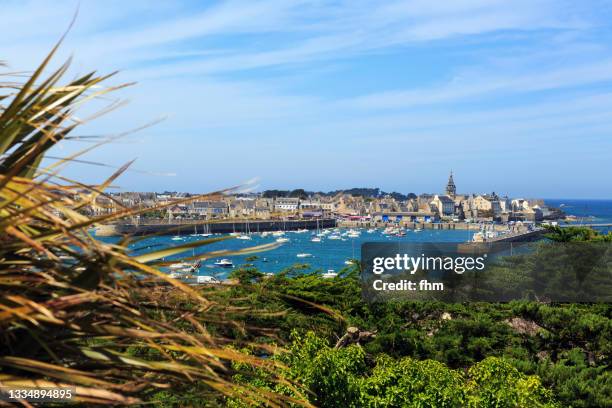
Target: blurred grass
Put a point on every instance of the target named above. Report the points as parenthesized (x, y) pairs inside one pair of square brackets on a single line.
[(73, 310)]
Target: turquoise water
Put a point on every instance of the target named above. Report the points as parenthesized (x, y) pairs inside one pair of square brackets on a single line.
[(327, 254)]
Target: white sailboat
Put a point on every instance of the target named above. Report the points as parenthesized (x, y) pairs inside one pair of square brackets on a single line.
[(205, 231), (179, 265), (353, 234)]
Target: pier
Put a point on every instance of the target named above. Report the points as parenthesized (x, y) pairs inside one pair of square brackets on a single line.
[(522, 236), (224, 227), (595, 225)]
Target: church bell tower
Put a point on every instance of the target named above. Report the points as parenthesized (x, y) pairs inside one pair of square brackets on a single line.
[(451, 190)]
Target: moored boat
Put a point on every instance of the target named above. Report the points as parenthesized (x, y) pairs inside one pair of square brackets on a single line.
[(330, 274), (224, 263)]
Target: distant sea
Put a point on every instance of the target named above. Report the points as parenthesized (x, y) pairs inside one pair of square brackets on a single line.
[(587, 211)]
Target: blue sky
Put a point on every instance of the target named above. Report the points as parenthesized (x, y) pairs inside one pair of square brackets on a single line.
[(513, 96)]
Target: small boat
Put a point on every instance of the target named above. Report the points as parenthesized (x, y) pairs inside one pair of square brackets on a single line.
[(304, 255), (334, 237), (371, 230), (315, 239), (301, 231), (191, 268), (281, 240), (243, 237), (225, 263), (179, 265), (234, 234), (349, 262), (265, 234), (184, 270), (177, 238), (278, 233), (330, 274), (207, 279), (391, 231), (418, 229)]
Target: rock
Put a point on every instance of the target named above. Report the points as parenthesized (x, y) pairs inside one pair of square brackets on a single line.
[(523, 326), (354, 336)]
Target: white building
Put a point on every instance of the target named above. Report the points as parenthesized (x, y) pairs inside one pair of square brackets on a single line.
[(286, 204)]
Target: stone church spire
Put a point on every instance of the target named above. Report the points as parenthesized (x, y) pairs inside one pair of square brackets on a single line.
[(451, 190)]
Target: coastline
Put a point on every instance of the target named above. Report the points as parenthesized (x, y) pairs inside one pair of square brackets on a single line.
[(252, 226)]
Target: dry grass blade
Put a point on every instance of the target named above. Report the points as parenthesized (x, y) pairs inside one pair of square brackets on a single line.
[(72, 309)]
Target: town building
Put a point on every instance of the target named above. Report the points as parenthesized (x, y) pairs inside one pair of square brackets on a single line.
[(209, 209), (286, 204), (444, 205)]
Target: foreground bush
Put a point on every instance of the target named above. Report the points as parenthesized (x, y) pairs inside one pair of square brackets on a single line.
[(347, 377)]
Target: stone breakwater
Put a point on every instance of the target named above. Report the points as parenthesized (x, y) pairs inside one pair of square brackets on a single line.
[(187, 228)]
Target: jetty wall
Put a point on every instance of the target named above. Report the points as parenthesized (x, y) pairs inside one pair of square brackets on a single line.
[(119, 229), (524, 236)]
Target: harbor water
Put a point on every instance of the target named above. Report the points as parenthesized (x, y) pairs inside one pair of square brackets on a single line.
[(336, 246)]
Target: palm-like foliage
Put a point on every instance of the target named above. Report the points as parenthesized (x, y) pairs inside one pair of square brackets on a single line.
[(73, 310)]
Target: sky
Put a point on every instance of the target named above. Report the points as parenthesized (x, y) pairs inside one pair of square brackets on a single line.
[(512, 96)]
